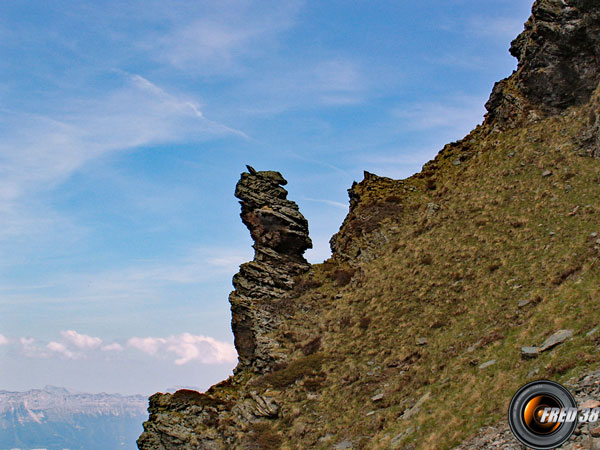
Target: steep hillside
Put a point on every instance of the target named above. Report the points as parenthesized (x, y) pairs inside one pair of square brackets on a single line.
[(411, 336)]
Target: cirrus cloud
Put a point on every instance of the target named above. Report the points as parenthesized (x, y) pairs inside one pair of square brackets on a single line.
[(39, 152)]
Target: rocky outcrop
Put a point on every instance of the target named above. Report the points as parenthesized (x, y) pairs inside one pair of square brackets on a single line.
[(439, 255), (361, 233), (184, 420), (280, 234), (559, 63), (189, 420), (558, 57)]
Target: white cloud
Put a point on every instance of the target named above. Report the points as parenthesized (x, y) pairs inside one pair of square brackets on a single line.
[(114, 347), (184, 348), (205, 349), (187, 347), (31, 349), (206, 45), (62, 349), (242, 40), (337, 82), (3, 340), (81, 341), (221, 39), (148, 345)]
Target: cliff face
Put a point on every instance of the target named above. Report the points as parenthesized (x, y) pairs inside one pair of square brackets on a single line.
[(558, 54), (280, 234), (410, 336)]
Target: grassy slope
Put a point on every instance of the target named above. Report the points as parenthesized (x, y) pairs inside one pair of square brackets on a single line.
[(503, 233)]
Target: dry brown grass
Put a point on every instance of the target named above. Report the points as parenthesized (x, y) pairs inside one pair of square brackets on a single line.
[(502, 234)]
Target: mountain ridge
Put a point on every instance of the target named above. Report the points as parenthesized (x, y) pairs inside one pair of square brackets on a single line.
[(57, 418), (410, 336)]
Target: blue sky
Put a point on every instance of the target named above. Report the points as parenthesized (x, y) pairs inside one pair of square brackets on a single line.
[(125, 126)]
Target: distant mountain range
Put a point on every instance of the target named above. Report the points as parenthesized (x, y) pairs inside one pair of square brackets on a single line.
[(55, 418)]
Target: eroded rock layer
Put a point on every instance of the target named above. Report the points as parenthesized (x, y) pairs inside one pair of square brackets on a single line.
[(280, 234)]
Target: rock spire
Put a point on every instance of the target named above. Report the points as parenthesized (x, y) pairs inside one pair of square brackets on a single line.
[(280, 234)]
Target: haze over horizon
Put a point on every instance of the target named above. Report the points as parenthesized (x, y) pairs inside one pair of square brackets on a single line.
[(126, 128)]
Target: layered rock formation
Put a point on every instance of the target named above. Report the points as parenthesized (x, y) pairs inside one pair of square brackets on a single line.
[(559, 56), (218, 420), (280, 234), (435, 285)]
